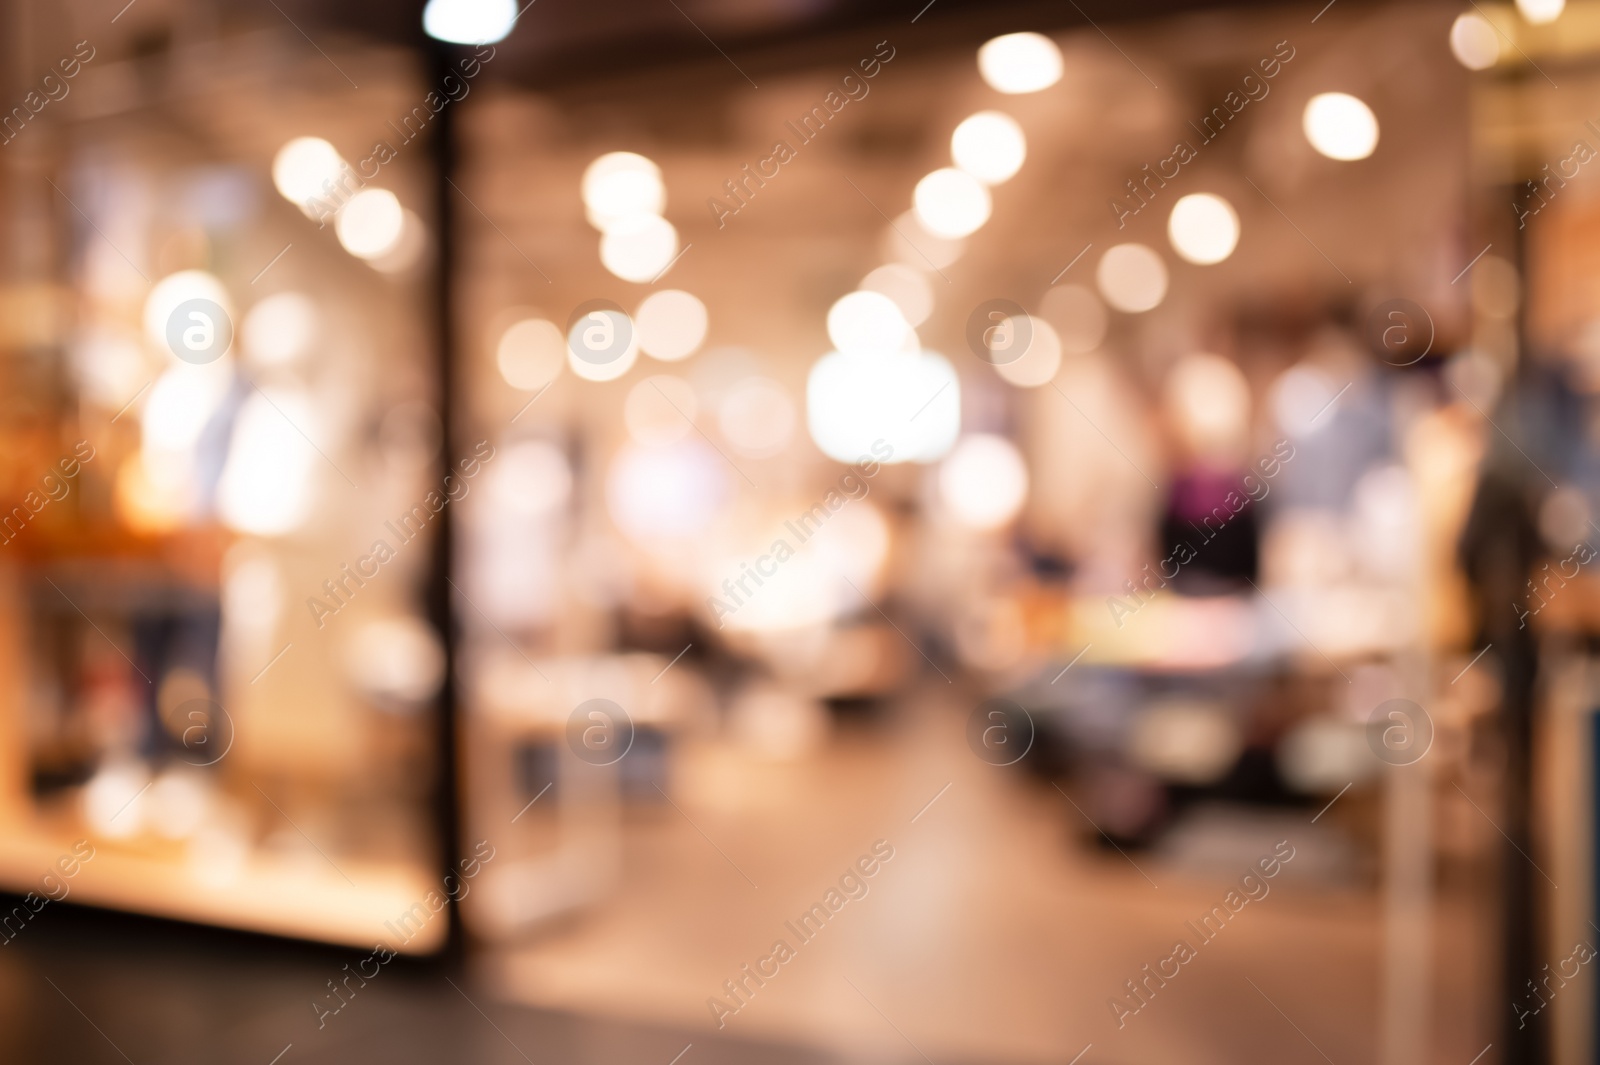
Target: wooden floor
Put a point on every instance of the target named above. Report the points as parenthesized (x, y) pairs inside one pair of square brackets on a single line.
[(991, 935)]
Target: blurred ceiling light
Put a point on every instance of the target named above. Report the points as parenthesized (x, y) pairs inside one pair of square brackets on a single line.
[(1020, 62), (1203, 228), (1474, 41), (1208, 400), (866, 323), (1078, 316), (598, 331), (1038, 364), (619, 185), (1539, 12), (280, 329), (1340, 126), (757, 417), (660, 410), (984, 482), (951, 203), (173, 291), (397, 660), (667, 492), (531, 478), (303, 166), (531, 353), (908, 241), (909, 402), (637, 248), (908, 288), (990, 146), (266, 484), (671, 323), (469, 21), (369, 224), (1132, 278)]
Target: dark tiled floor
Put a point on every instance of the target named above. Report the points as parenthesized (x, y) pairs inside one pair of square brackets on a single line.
[(89, 987)]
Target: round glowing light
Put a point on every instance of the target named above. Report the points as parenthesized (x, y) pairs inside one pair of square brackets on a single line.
[(619, 185), (757, 417), (1132, 278), (1038, 364), (531, 353), (908, 241), (660, 410), (608, 328), (1203, 228), (671, 324), (280, 329), (369, 225), (907, 287), (1020, 62), (639, 247), (469, 21), (866, 323), (303, 167), (1539, 12), (1474, 42), (990, 146), (951, 203), (666, 492), (1078, 316), (1340, 126), (173, 291), (907, 402), (266, 484), (531, 478), (984, 482)]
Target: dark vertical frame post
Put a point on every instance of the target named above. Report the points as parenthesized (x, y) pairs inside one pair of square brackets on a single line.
[(438, 57)]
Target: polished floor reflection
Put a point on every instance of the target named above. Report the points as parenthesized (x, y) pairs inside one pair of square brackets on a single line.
[(991, 934)]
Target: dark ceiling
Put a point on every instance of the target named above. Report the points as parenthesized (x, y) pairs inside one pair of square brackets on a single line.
[(565, 41)]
